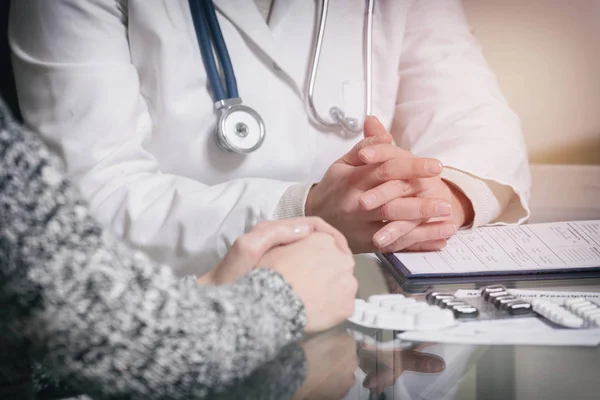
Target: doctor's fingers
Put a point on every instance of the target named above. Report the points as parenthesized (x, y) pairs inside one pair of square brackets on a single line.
[(403, 168), (389, 191), (430, 245), (373, 127), (352, 158), (381, 152), (271, 233), (410, 208), (398, 235)]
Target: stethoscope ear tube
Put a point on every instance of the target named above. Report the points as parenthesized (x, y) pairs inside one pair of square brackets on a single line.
[(338, 116)]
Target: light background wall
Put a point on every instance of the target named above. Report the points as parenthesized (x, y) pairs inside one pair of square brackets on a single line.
[(546, 54)]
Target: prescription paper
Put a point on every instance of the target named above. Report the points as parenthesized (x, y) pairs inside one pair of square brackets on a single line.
[(518, 248), (517, 331), (514, 331), (548, 295)]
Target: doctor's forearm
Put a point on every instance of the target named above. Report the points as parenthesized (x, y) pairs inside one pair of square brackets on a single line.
[(450, 107), (487, 200)]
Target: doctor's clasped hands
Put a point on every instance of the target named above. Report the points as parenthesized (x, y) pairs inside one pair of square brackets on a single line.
[(383, 198)]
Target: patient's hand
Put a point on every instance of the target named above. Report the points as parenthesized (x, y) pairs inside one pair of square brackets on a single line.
[(321, 274), (250, 248), (332, 361)]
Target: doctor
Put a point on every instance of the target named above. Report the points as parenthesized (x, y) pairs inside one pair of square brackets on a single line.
[(126, 93)]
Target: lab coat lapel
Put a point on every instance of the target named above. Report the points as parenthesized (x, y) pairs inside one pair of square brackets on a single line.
[(245, 16)]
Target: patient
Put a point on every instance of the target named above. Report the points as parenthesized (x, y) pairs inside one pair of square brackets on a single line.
[(111, 323)]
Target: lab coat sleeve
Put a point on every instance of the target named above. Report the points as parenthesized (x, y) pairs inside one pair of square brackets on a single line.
[(293, 202), (78, 89), (450, 107)]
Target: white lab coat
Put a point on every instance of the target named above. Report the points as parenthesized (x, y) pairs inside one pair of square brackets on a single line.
[(118, 88)]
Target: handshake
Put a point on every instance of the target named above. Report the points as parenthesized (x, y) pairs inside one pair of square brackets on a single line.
[(377, 197)]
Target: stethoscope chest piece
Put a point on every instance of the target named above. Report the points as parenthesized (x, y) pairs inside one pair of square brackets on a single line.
[(240, 129)]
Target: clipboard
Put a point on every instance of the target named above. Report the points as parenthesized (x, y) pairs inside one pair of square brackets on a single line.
[(403, 275), (557, 250)]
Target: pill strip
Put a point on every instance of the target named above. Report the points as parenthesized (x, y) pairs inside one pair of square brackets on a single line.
[(558, 314), (585, 309), (499, 296), (574, 313), (396, 312), (459, 308)]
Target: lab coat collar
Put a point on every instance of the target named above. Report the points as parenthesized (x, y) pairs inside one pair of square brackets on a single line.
[(247, 18)]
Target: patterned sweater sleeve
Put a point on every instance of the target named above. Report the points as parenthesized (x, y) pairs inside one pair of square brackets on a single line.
[(107, 319)]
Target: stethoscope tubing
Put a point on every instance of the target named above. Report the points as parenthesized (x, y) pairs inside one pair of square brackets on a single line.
[(339, 119), (209, 34), (205, 20)]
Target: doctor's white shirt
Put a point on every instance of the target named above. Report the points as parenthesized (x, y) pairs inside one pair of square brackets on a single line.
[(118, 89)]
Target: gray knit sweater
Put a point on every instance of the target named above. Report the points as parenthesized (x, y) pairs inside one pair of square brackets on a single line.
[(107, 319)]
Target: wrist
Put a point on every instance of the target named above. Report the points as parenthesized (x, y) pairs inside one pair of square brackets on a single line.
[(206, 279), (465, 213), (309, 209)]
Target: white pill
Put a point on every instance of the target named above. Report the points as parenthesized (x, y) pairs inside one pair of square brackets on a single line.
[(414, 308), (390, 303), (575, 301), (571, 321), (359, 308), (400, 305), (547, 307), (396, 321), (592, 314), (359, 305), (579, 305), (584, 309), (563, 314), (369, 317), (378, 298), (538, 302)]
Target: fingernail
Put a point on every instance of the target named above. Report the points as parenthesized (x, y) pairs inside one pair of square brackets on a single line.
[(433, 167), (435, 365), (369, 154), (368, 199), (301, 229), (447, 230), (384, 238), (443, 208)]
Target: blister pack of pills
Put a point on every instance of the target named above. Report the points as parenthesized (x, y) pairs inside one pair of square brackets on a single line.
[(495, 302), (398, 313), (441, 310), (573, 313)]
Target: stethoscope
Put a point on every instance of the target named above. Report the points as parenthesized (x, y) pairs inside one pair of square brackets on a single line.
[(241, 129)]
